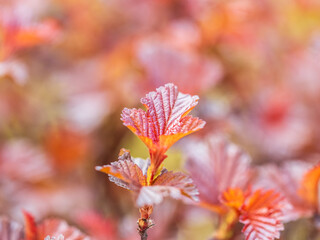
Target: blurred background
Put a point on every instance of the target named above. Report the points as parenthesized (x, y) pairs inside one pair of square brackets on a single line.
[(69, 67)]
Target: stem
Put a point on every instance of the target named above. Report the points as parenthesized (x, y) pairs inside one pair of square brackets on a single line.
[(144, 235), (145, 222), (157, 156)]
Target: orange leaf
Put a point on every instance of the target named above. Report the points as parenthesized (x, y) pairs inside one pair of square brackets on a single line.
[(310, 186), (262, 215), (66, 147), (35, 35)]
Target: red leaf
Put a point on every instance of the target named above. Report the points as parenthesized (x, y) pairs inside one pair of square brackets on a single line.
[(166, 116), (262, 215), (10, 230), (216, 167), (168, 184), (125, 172), (30, 227)]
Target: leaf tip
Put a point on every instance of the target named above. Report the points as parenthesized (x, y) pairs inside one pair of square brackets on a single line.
[(98, 168)]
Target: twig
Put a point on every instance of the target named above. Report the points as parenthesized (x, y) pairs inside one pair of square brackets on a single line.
[(144, 235), (145, 222)]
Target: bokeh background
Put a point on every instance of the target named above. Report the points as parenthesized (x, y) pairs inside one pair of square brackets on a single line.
[(69, 67)]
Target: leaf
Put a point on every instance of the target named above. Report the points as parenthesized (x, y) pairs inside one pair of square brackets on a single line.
[(18, 35), (169, 184), (287, 179), (59, 229), (164, 122), (125, 172), (165, 116), (21, 152), (66, 147), (37, 34), (262, 215), (217, 166), (31, 231), (309, 189), (10, 230)]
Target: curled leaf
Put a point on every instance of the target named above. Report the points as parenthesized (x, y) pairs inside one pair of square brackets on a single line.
[(125, 172)]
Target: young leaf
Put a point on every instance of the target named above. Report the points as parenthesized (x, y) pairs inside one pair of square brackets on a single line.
[(166, 116), (262, 215), (125, 172), (164, 122)]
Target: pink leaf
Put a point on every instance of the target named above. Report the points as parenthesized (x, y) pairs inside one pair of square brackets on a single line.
[(217, 166), (286, 179)]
